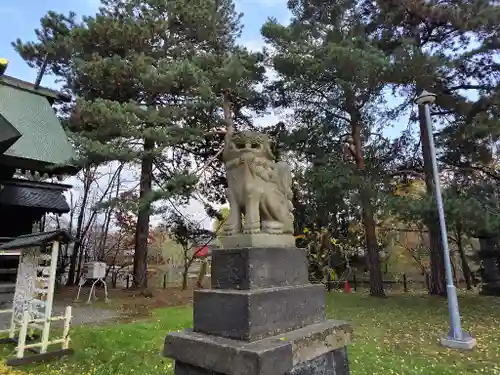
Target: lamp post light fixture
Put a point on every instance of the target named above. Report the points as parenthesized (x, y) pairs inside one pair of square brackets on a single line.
[(456, 339)]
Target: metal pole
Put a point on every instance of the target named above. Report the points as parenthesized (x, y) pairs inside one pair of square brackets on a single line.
[(456, 330), (457, 338)]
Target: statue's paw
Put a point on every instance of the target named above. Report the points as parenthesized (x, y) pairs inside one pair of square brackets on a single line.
[(228, 230), (272, 227), (273, 231), (251, 230)]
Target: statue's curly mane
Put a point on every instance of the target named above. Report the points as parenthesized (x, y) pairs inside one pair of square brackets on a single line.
[(247, 142)]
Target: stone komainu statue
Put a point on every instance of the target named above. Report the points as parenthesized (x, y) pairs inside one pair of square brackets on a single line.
[(258, 187)]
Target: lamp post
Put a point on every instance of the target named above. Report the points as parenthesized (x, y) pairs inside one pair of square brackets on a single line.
[(456, 339)]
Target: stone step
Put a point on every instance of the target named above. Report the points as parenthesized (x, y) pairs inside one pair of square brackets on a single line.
[(315, 349), (256, 314), (253, 268)]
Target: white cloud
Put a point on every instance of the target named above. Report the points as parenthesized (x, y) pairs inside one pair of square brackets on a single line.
[(266, 120)]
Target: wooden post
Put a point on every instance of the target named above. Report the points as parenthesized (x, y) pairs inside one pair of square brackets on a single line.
[(12, 329), (165, 280), (355, 282), (328, 282), (23, 332), (405, 285), (67, 322), (50, 296)]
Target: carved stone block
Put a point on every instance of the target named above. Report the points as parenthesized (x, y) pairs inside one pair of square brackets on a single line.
[(257, 240), (255, 314), (251, 268)]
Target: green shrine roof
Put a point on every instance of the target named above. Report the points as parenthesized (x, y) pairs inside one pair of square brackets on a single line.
[(28, 110)]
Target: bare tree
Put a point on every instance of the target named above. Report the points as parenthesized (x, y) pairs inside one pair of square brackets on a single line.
[(96, 185)]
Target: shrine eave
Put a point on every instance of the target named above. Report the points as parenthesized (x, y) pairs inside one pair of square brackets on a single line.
[(39, 196), (51, 95), (26, 164)]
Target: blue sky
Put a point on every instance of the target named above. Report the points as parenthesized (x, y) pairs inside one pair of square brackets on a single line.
[(19, 18)]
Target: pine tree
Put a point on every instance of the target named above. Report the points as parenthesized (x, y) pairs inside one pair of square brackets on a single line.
[(332, 76), (148, 77)]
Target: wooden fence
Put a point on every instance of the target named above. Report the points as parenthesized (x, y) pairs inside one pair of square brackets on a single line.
[(356, 283)]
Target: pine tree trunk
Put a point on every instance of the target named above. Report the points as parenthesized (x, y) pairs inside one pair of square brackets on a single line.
[(375, 270), (465, 265), (454, 270), (142, 226), (376, 279), (437, 275)]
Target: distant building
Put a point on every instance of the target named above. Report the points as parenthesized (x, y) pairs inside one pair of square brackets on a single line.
[(204, 245)]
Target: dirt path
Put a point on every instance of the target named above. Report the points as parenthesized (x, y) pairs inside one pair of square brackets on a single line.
[(132, 302), (82, 314), (123, 304)]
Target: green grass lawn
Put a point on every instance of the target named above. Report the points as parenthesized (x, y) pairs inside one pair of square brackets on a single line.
[(397, 335)]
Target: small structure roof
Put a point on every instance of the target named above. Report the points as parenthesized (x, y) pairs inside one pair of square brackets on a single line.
[(38, 239)]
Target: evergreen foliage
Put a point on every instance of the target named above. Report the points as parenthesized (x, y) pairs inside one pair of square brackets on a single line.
[(148, 78)]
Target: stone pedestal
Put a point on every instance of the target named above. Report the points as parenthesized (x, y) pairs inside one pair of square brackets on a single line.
[(261, 317)]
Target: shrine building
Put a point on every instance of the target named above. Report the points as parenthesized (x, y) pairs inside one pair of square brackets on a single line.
[(33, 147)]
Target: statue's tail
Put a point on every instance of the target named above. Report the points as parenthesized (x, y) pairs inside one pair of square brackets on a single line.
[(285, 178)]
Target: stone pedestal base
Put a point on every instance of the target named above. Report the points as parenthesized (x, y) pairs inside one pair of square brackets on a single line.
[(262, 317), (314, 346), (331, 363)]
